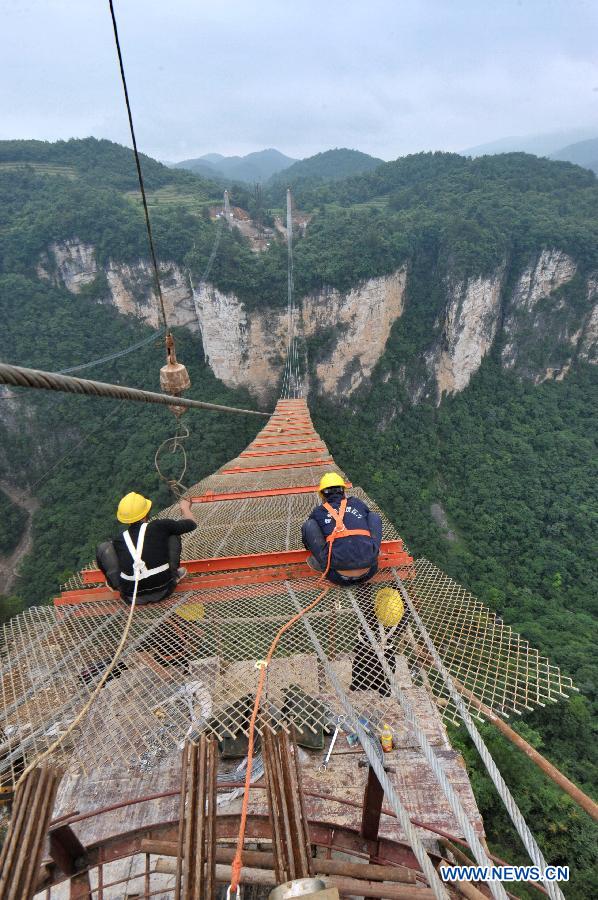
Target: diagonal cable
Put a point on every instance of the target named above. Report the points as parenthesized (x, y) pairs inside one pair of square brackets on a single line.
[(397, 807), (138, 165), (521, 826), (433, 760)]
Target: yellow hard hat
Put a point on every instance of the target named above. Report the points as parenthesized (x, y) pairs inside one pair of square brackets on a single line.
[(331, 479), (389, 607), (132, 508)]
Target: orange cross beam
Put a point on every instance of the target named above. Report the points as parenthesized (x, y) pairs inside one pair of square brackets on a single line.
[(280, 452), (211, 497), (299, 465), (388, 549)]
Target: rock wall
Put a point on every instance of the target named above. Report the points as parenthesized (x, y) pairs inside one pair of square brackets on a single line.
[(249, 349), (243, 349), (588, 338), (364, 318), (546, 321), (129, 287), (532, 306), (470, 325)]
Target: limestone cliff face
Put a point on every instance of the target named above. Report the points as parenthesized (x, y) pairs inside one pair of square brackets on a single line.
[(129, 287), (249, 349), (469, 328), (546, 317), (538, 313), (243, 349), (363, 319), (588, 338)]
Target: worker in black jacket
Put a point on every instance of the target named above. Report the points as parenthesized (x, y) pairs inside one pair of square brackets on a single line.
[(149, 550)]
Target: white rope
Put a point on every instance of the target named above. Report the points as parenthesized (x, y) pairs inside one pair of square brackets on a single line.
[(527, 838), (439, 890), (94, 695), (433, 760)]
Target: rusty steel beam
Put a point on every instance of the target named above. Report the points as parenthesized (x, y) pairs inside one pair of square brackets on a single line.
[(66, 849), (351, 886), (240, 470), (322, 834), (372, 807), (21, 854), (265, 860), (196, 860), (290, 838), (80, 888), (247, 561)]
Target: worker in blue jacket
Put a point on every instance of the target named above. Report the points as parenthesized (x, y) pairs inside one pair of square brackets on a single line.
[(343, 535)]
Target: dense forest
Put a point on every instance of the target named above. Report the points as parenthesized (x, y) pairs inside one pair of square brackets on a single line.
[(13, 520), (332, 165), (511, 464)]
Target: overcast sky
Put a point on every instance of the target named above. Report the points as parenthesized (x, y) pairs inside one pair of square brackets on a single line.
[(388, 77)]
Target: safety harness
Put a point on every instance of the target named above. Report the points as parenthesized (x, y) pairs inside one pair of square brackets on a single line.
[(140, 570), (340, 530)]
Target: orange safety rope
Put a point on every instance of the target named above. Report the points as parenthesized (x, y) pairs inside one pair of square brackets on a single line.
[(339, 531), (237, 863)]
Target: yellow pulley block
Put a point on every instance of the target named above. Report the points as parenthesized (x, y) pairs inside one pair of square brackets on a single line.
[(389, 607)]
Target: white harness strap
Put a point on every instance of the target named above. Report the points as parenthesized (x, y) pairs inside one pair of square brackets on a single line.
[(140, 570)]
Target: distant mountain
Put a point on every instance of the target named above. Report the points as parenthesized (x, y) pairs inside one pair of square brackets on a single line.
[(259, 166), (582, 153), (331, 165), (98, 161), (539, 144)]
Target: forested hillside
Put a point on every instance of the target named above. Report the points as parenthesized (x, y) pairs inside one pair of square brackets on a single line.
[(472, 213), (332, 165), (496, 484)]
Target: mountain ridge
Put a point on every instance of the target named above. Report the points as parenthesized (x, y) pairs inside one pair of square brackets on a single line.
[(258, 166)]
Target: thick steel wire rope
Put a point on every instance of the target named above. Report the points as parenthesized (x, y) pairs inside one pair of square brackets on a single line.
[(434, 761), (138, 166), (427, 867), (521, 826), (161, 331), (19, 376)]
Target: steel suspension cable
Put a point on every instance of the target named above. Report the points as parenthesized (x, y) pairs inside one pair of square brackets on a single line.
[(521, 826), (434, 761), (161, 331), (439, 890), (19, 376), (138, 165)]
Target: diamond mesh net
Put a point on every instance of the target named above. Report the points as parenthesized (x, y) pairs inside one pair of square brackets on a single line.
[(191, 663)]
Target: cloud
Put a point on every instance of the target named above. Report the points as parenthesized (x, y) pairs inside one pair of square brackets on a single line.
[(386, 77)]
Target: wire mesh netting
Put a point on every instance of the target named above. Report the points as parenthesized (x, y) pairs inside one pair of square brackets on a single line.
[(192, 663)]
